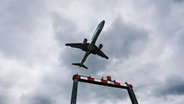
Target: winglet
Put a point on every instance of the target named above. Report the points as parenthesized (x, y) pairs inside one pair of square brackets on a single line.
[(80, 65)]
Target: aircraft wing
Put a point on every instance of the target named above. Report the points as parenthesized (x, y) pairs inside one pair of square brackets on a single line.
[(99, 52), (82, 46)]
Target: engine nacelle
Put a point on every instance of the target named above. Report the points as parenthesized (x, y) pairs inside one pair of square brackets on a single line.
[(85, 40), (100, 46)]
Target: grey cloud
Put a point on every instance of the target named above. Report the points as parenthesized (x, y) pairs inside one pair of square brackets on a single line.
[(36, 99), (41, 100), (101, 7), (97, 63), (178, 41), (179, 1), (123, 40), (171, 86), (53, 87), (99, 94), (165, 16), (66, 31), (4, 95), (18, 26), (4, 98)]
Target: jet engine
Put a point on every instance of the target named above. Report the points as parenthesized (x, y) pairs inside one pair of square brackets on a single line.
[(85, 40), (100, 46)]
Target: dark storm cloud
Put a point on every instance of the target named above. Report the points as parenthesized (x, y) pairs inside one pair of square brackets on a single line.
[(4, 98), (174, 83), (97, 63), (178, 41), (5, 85), (40, 99), (179, 1), (123, 40), (171, 86), (36, 99)]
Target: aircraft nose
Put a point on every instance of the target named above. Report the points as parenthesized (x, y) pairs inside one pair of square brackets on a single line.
[(103, 21)]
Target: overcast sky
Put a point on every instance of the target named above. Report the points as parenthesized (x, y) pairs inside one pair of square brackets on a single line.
[(143, 39)]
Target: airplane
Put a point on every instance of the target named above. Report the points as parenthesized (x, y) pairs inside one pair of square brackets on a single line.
[(90, 48)]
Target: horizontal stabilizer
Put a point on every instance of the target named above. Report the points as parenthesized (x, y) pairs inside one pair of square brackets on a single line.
[(80, 65)]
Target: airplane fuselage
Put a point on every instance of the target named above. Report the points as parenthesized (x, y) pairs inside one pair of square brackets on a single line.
[(91, 46), (97, 32), (95, 35)]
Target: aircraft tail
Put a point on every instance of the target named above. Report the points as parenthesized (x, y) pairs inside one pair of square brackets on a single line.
[(80, 65)]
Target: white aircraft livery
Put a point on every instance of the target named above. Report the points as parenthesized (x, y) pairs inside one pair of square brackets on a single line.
[(90, 47)]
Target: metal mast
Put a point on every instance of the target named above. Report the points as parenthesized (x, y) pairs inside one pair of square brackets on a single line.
[(103, 82)]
